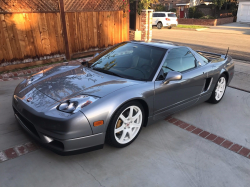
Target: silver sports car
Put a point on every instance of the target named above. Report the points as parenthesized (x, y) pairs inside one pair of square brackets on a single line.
[(110, 98)]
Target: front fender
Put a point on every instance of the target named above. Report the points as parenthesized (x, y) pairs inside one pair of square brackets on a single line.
[(104, 108)]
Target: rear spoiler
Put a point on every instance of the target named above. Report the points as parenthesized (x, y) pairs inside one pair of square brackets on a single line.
[(212, 55)]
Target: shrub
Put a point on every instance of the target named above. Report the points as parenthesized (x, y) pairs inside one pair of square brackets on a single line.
[(194, 12), (207, 17), (160, 8), (191, 12), (172, 10), (233, 8)]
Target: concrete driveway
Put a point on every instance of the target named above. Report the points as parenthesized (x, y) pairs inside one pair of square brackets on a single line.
[(230, 28), (163, 155)]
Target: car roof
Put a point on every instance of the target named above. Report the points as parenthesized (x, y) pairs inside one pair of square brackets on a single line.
[(164, 45)]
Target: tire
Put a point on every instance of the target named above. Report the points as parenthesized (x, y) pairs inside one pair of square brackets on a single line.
[(121, 134), (159, 25), (169, 27), (219, 90)]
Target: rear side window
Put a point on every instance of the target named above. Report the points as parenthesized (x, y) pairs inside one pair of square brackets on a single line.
[(205, 60), (172, 15), (179, 59), (155, 15)]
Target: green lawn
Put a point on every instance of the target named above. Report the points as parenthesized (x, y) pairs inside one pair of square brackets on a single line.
[(191, 26)]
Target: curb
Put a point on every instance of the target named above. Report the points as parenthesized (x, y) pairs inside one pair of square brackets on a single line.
[(201, 29)]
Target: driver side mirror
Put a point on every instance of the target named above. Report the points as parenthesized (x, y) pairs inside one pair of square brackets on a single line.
[(172, 76)]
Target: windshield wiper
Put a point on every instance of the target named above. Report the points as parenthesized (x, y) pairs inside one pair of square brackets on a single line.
[(168, 68), (107, 72)]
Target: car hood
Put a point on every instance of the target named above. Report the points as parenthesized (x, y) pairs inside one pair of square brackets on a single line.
[(63, 82)]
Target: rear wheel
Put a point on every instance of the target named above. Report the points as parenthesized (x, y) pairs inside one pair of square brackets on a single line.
[(169, 27), (219, 90), (125, 125), (159, 25)]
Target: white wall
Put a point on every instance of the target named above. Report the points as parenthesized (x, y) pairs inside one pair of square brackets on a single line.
[(243, 14)]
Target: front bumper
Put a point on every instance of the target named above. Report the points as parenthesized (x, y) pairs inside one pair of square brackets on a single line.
[(65, 147), (61, 132), (59, 146)]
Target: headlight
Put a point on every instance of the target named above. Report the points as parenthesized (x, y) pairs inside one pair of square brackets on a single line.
[(75, 104), (34, 77)]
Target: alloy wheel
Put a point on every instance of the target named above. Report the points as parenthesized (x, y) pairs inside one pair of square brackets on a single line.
[(220, 89), (128, 124)]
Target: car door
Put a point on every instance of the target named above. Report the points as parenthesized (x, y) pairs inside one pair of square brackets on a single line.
[(162, 17), (176, 95), (155, 17)]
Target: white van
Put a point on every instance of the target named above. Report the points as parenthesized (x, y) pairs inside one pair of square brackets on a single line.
[(164, 19)]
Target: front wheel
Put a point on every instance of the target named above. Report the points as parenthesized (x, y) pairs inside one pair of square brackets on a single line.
[(219, 90), (125, 125)]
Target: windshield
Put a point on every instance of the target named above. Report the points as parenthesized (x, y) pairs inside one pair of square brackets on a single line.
[(130, 60)]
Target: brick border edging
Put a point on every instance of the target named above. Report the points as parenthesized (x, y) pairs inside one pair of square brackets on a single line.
[(241, 150), (17, 151), (21, 74), (241, 89), (29, 147)]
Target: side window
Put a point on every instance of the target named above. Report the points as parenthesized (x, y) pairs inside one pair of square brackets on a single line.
[(179, 59), (162, 15), (154, 15)]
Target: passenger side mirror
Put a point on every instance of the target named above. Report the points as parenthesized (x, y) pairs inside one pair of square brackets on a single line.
[(172, 76)]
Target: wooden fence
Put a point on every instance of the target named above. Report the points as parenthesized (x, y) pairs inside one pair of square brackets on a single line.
[(30, 35), (35, 35), (88, 30)]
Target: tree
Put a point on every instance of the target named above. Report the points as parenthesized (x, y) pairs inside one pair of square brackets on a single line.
[(160, 8), (147, 3), (219, 3), (144, 4)]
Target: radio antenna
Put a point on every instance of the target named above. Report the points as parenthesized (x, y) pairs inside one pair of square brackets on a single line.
[(227, 53)]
